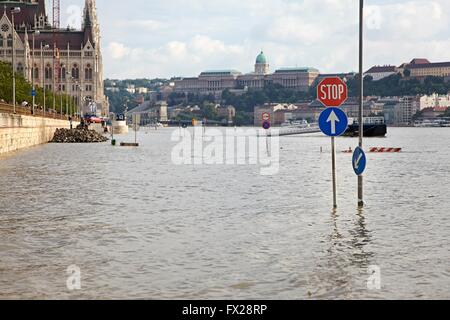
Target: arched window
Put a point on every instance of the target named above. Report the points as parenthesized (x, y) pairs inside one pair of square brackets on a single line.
[(48, 72), (75, 72), (20, 68), (1, 41), (9, 41), (63, 72), (88, 72)]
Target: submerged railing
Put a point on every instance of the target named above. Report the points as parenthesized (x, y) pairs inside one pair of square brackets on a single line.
[(38, 112)]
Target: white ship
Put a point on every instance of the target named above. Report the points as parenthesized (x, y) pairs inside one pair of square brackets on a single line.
[(119, 124), (296, 124)]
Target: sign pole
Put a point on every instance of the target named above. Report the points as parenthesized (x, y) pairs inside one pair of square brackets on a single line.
[(333, 92), (361, 97), (333, 166)]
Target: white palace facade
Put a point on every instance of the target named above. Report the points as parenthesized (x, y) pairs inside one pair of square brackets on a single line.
[(216, 81)]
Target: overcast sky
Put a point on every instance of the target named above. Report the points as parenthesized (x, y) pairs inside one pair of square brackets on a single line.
[(153, 38)]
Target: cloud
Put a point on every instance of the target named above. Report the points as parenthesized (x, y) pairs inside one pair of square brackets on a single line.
[(183, 38), (409, 21), (117, 50), (194, 55)]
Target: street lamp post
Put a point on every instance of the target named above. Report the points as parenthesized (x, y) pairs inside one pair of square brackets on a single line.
[(36, 32), (67, 94), (43, 71), (54, 77), (13, 12), (60, 89)]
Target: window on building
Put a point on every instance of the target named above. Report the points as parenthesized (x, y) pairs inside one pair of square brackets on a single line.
[(48, 72), (63, 73), (1, 41), (35, 73), (20, 68), (88, 72), (75, 72), (9, 41)]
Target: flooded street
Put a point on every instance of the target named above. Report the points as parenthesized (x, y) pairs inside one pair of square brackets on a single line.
[(139, 226)]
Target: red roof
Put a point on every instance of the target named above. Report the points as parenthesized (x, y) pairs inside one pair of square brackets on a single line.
[(27, 13), (47, 36), (74, 38), (419, 61)]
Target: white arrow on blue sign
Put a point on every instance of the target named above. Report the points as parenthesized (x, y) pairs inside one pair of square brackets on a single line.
[(359, 161), (333, 122)]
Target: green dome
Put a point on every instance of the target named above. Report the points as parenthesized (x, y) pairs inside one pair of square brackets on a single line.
[(261, 58)]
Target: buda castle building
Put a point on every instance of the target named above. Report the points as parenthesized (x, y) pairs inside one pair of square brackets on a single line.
[(216, 81), (78, 70)]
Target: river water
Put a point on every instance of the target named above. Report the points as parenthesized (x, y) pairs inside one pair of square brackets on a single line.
[(138, 226)]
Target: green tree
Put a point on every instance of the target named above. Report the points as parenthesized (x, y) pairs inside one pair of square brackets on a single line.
[(24, 90)]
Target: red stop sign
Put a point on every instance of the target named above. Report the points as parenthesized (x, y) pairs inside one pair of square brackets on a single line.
[(332, 92)]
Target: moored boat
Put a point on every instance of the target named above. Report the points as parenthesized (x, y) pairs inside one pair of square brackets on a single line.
[(373, 127)]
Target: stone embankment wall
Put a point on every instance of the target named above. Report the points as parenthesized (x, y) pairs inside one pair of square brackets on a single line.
[(20, 131)]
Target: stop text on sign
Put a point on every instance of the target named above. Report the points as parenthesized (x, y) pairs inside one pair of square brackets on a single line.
[(332, 92)]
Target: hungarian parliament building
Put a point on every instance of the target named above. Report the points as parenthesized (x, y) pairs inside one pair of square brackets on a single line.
[(215, 82), (63, 60)]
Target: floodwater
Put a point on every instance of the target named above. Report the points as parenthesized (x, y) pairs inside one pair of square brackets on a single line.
[(138, 226)]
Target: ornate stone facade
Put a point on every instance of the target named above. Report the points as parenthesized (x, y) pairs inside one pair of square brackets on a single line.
[(38, 45)]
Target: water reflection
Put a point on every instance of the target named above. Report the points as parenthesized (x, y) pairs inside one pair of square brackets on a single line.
[(341, 271), (361, 239)]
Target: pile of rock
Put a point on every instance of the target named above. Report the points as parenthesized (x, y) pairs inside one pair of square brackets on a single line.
[(77, 136)]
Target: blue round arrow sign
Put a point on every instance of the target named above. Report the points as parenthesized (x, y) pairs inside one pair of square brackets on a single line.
[(359, 161), (333, 122)]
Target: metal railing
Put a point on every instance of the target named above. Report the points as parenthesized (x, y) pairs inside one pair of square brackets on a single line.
[(38, 112)]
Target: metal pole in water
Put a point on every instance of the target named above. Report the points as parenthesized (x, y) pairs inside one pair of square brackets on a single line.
[(135, 128), (361, 97), (333, 168)]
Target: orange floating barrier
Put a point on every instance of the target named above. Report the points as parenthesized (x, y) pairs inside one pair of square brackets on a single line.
[(385, 150), (378, 150)]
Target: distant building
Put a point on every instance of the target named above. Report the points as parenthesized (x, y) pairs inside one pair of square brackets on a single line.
[(405, 109), (151, 112), (434, 101), (423, 68), (131, 88), (277, 112), (164, 92), (142, 90), (216, 81), (139, 99), (433, 113), (381, 72), (227, 112)]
